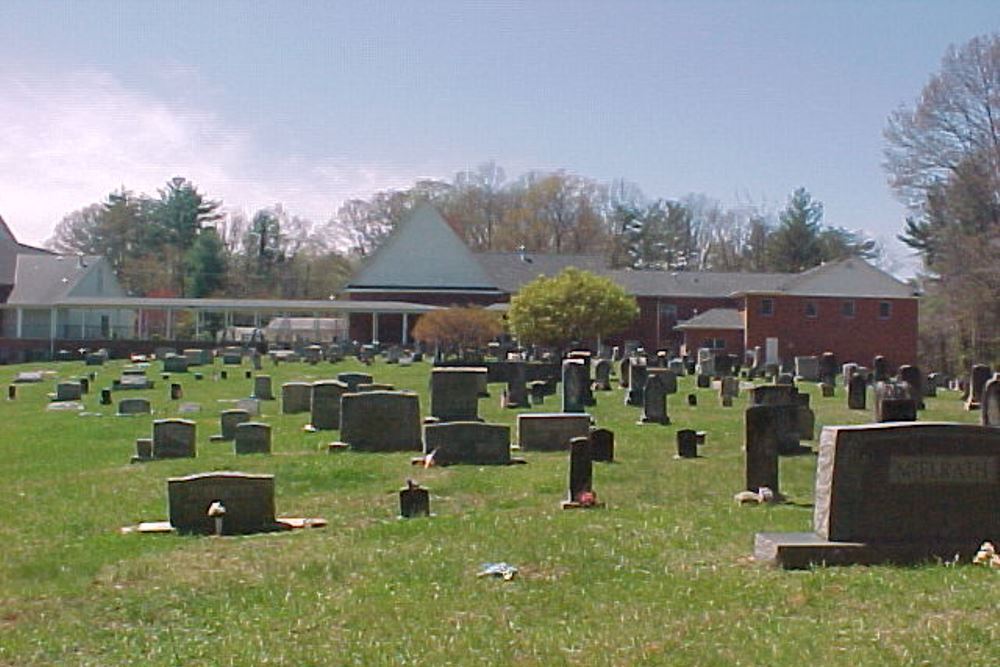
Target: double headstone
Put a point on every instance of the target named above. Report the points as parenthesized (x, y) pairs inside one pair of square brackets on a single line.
[(133, 406), (473, 443), (175, 363), (455, 393), (550, 431), (899, 493), (381, 421), (68, 391), (173, 438)]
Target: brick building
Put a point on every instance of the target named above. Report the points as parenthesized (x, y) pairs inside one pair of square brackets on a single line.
[(849, 307)]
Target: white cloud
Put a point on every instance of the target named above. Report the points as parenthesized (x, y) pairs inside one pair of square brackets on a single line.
[(70, 139)]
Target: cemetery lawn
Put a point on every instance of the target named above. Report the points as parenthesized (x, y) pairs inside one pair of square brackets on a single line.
[(661, 575)]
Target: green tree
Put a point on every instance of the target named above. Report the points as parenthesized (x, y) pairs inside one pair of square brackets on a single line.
[(573, 306), (206, 265), (795, 244)]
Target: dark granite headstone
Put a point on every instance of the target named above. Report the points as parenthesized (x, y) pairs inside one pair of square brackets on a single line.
[(912, 376), (977, 380), (68, 391), (581, 474), (602, 445), (575, 378), (636, 382), (687, 443), (248, 501), (763, 427), (105, 396), (381, 421), (176, 391), (654, 403), (990, 402), (455, 393), (537, 389), (252, 438), (296, 397), (692, 400), (352, 380), (602, 375), (517, 389), (550, 431), (624, 371), (325, 404), (262, 388), (228, 421), (133, 406), (893, 403), (472, 443), (414, 501), (857, 390), (898, 493), (173, 438), (880, 369)]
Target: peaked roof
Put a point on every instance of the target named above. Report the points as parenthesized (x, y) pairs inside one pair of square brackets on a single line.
[(853, 277), (693, 283), (715, 318), (45, 279), (10, 248), (423, 253), (511, 270)]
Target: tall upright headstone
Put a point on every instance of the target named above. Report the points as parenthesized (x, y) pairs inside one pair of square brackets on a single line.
[(990, 402), (857, 390), (762, 426), (979, 377), (880, 369), (517, 384), (654, 400), (455, 393), (912, 376), (325, 404), (636, 382), (581, 474), (574, 380)]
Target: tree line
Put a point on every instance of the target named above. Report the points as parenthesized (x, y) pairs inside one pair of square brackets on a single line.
[(943, 161)]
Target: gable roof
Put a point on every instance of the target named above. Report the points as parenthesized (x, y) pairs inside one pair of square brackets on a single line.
[(46, 279), (693, 283), (423, 253), (10, 248), (510, 270), (853, 277), (715, 318)]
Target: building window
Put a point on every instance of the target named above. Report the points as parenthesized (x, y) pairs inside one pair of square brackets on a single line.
[(668, 310), (847, 309), (811, 310), (767, 306), (714, 343), (884, 310)]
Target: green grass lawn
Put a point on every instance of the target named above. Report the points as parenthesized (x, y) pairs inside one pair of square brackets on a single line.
[(661, 575)]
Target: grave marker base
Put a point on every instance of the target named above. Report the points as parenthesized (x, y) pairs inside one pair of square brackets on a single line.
[(796, 551)]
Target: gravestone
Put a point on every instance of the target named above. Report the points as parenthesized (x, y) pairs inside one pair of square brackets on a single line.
[(517, 388), (174, 363), (295, 397), (804, 416), (807, 368), (729, 386), (574, 382), (472, 443), (252, 438), (857, 391), (764, 426), (537, 389), (262, 388), (193, 356), (68, 391), (848, 370), (133, 406), (792, 417), (105, 396), (94, 359), (979, 377), (827, 390), (677, 366), (26, 377), (692, 400), (255, 361), (912, 376), (581, 474), (880, 369), (84, 385), (176, 391), (828, 368), (669, 377), (654, 402), (550, 431), (414, 501), (248, 502), (687, 443), (898, 493), (893, 403), (229, 420), (352, 380), (455, 393), (602, 445), (11, 392), (990, 402), (602, 375), (703, 381), (173, 439), (706, 362), (381, 421), (325, 404), (624, 371), (636, 382), (374, 386), (231, 358)]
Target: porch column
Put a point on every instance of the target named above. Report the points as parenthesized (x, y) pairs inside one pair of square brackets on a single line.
[(256, 319), (406, 328), (53, 313), (20, 322), (197, 324), (170, 324), (374, 327)]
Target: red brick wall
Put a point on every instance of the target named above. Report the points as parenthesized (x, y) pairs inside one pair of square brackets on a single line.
[(645, 327), (857, 338)]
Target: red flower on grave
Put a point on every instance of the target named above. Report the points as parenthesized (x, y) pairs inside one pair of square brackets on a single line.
[(587, 498)]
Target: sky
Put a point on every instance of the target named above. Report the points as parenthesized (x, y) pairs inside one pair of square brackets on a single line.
[(312, 103)]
